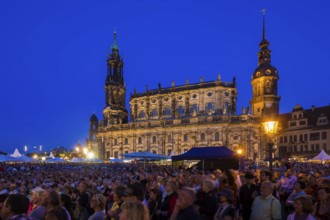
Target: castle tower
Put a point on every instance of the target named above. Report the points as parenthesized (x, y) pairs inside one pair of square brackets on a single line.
[(264, 80), (115, 111)]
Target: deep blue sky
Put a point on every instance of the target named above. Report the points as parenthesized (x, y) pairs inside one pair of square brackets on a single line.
[(53, 56)]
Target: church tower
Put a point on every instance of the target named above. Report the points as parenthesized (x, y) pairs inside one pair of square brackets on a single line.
[(115, 111), (264, 80)]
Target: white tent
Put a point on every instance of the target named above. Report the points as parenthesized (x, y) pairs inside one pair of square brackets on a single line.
[(16, 154), (322, 156), (51, 155)]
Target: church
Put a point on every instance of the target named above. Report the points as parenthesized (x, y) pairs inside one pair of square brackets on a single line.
[(171, 120)]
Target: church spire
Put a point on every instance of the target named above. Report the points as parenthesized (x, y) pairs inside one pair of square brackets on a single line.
[(263, 11), (114, 45), (264, 53)]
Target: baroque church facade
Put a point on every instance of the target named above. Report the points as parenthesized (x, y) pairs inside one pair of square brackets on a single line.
[(174, 119)]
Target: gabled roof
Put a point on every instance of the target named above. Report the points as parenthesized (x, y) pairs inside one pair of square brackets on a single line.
[(312, 115), (199, 153)]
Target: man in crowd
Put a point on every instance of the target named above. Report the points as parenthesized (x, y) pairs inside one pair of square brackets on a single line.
[(184, 209), (266, 206), (246, 196), (16, 207)]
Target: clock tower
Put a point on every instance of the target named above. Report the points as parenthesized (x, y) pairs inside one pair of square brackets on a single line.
[(264, 80), (115, 111)]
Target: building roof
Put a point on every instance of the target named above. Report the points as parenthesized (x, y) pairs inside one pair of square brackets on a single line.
[(311, 114), (186, 87)]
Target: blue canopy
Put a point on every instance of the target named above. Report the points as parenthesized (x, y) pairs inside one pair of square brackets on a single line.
[(203, 153)]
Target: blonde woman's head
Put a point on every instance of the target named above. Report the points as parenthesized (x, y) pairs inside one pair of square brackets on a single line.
[(98, 201), (134, 210)]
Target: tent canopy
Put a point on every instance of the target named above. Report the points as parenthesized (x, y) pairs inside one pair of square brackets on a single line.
[(146, 155), (16, 153), (55, 160), (200, 153), (321, 156)]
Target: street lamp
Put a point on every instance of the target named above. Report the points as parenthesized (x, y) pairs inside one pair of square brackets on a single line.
[(270, 125), (239, 154)]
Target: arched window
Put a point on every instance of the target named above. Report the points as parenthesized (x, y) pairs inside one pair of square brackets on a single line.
[(181, 110), (140, 140), (169, 139), (216, 136), (167, 111), (209, 106), (202, 137), (154, 139), (126, 140), (142, 114), (185, 137), (195, 107), (154, 151), (154, 113), (115, 142)]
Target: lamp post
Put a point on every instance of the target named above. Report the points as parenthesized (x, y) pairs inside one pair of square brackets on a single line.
[(270, 125), (239, 154)]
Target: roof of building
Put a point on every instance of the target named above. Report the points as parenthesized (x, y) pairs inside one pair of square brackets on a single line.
[(179, 88), (311, 114)]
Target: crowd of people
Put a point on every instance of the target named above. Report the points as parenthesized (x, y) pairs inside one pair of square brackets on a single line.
[(298, 191)]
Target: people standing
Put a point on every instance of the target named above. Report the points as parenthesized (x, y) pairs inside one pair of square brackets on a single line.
[(246, 196), (266, 206)]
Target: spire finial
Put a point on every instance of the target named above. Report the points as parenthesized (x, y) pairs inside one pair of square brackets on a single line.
[(114, 45), (263, 12)]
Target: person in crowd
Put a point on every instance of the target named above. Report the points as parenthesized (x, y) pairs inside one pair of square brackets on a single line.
[(15, 207), (98, 202), (226, 210), (3, 188), (166, 208), (287, 184), (311, 185), (134, 210), (184, 208), (154, 201), (208, 202), (303, 207), (322, 206), (40, 211), (266, 176), (66, 203), (229, 181), (246, 196), (54, 210), (83, 210), (299, 187), (266, 206), (36, 203), (115, 210)]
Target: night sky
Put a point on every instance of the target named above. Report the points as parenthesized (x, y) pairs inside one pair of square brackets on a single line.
[(53, 56)]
